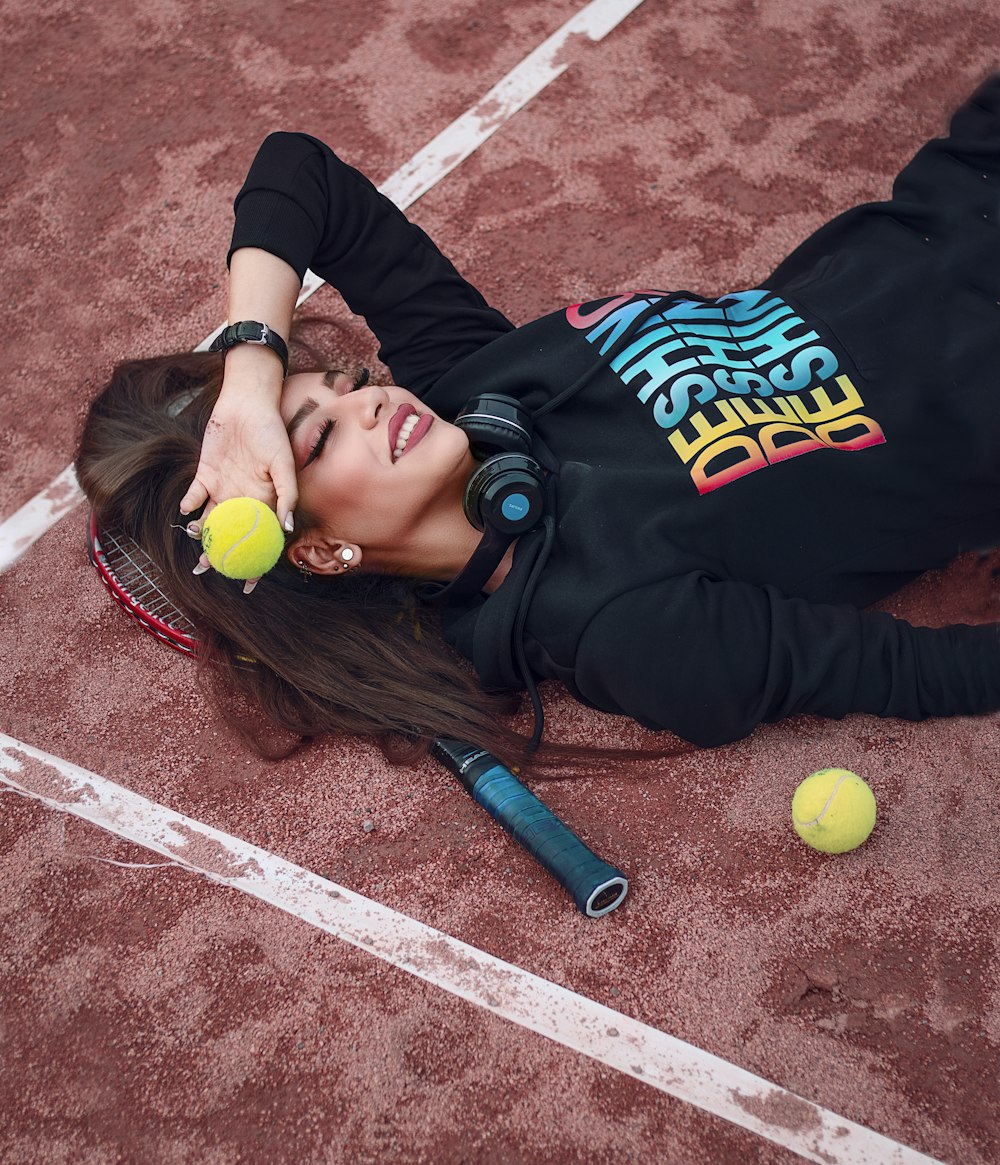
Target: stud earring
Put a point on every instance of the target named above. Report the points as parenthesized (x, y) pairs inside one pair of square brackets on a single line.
[(346, 555)]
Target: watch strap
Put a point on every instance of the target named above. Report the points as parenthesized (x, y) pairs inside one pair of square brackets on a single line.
[(251, 332)]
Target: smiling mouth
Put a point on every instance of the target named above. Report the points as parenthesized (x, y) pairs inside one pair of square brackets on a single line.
[(406, 429)]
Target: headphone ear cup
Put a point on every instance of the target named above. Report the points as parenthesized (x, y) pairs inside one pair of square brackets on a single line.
[(496, 424), (506, 493)]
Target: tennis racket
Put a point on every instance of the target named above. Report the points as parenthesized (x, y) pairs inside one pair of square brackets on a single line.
[(134, 582), (594, 886)]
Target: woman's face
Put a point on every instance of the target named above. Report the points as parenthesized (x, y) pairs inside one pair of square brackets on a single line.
[(375, 465)]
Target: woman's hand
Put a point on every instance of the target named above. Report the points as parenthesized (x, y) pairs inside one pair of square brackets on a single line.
[(245, 451)]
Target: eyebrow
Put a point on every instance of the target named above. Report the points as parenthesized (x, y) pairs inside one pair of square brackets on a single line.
[(302, 414), (305, 411)]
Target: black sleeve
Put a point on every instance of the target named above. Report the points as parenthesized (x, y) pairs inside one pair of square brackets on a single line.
[(711, 660), (303, 204)]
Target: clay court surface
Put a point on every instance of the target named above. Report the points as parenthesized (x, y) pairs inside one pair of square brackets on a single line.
[(160, 1009)]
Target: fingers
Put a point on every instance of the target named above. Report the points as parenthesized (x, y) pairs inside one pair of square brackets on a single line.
[(193, 531), (286, 488), (203, 566), (196, 496)]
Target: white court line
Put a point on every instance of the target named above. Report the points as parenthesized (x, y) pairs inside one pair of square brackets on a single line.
[(576, 1022), (426, 168)]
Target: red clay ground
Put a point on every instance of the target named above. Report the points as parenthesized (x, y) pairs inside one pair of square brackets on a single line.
[(148, 1015)]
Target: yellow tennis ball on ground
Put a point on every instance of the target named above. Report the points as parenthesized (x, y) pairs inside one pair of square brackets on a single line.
[(833, 811), (242, 538)]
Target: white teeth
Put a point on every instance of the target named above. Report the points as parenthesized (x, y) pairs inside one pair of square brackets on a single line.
[(404, 435)]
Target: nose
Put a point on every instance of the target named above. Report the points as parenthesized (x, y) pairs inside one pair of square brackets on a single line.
[(368, 403)]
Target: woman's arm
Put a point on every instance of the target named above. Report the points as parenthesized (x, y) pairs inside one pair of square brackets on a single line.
[(710, 660), (301, 207), (246, 452), (304, 205)]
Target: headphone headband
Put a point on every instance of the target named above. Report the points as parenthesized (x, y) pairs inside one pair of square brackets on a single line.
[(467, 420), (496, 424)]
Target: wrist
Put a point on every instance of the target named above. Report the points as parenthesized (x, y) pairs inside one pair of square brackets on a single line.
[(251, 369), (253, 334)]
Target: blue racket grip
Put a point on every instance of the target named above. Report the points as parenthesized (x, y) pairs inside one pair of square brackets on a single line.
[(596, 887)]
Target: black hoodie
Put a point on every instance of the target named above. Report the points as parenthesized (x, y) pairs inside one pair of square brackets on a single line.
[(732, 478)]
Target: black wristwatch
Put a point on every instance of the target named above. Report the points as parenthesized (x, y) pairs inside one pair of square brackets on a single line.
[(251, 332)]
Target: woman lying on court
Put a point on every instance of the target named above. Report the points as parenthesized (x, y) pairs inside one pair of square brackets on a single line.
[(678, 507)]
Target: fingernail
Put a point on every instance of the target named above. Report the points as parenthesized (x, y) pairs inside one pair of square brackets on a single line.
[(249, 585), (193, 530), (203, 565), (289, 523)]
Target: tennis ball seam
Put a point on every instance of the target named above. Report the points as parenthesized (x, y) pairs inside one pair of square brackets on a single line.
[(829, 801), (236, 545)]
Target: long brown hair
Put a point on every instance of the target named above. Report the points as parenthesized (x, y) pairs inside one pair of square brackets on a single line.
[(355, 655)]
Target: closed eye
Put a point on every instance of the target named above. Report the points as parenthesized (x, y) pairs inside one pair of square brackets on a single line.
[(317, 449), (359, 380)]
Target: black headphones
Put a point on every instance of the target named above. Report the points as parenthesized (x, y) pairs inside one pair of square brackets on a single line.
[(505, 496), (506, 491)]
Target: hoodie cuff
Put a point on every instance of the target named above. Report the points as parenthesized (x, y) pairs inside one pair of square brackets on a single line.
[(274, 223)]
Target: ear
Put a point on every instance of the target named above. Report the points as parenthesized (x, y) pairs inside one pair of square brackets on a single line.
[(321, 554)]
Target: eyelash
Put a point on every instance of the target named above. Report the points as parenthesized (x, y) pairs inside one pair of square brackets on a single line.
[(360, 380), (317, 449)]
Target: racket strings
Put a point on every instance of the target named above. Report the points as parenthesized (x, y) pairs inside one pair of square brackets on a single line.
[(133, 579)]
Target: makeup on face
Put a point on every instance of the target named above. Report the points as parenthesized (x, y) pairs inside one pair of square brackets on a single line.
[(316, 442), (357, 485)]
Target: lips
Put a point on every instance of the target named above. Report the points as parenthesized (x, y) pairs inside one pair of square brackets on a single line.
[(396, 423)]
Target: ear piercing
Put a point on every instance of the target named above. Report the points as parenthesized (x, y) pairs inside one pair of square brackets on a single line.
[(346, 558)]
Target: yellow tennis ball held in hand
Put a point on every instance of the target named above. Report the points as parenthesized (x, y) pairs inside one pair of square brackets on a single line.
[(242, 538), (833, 811)]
